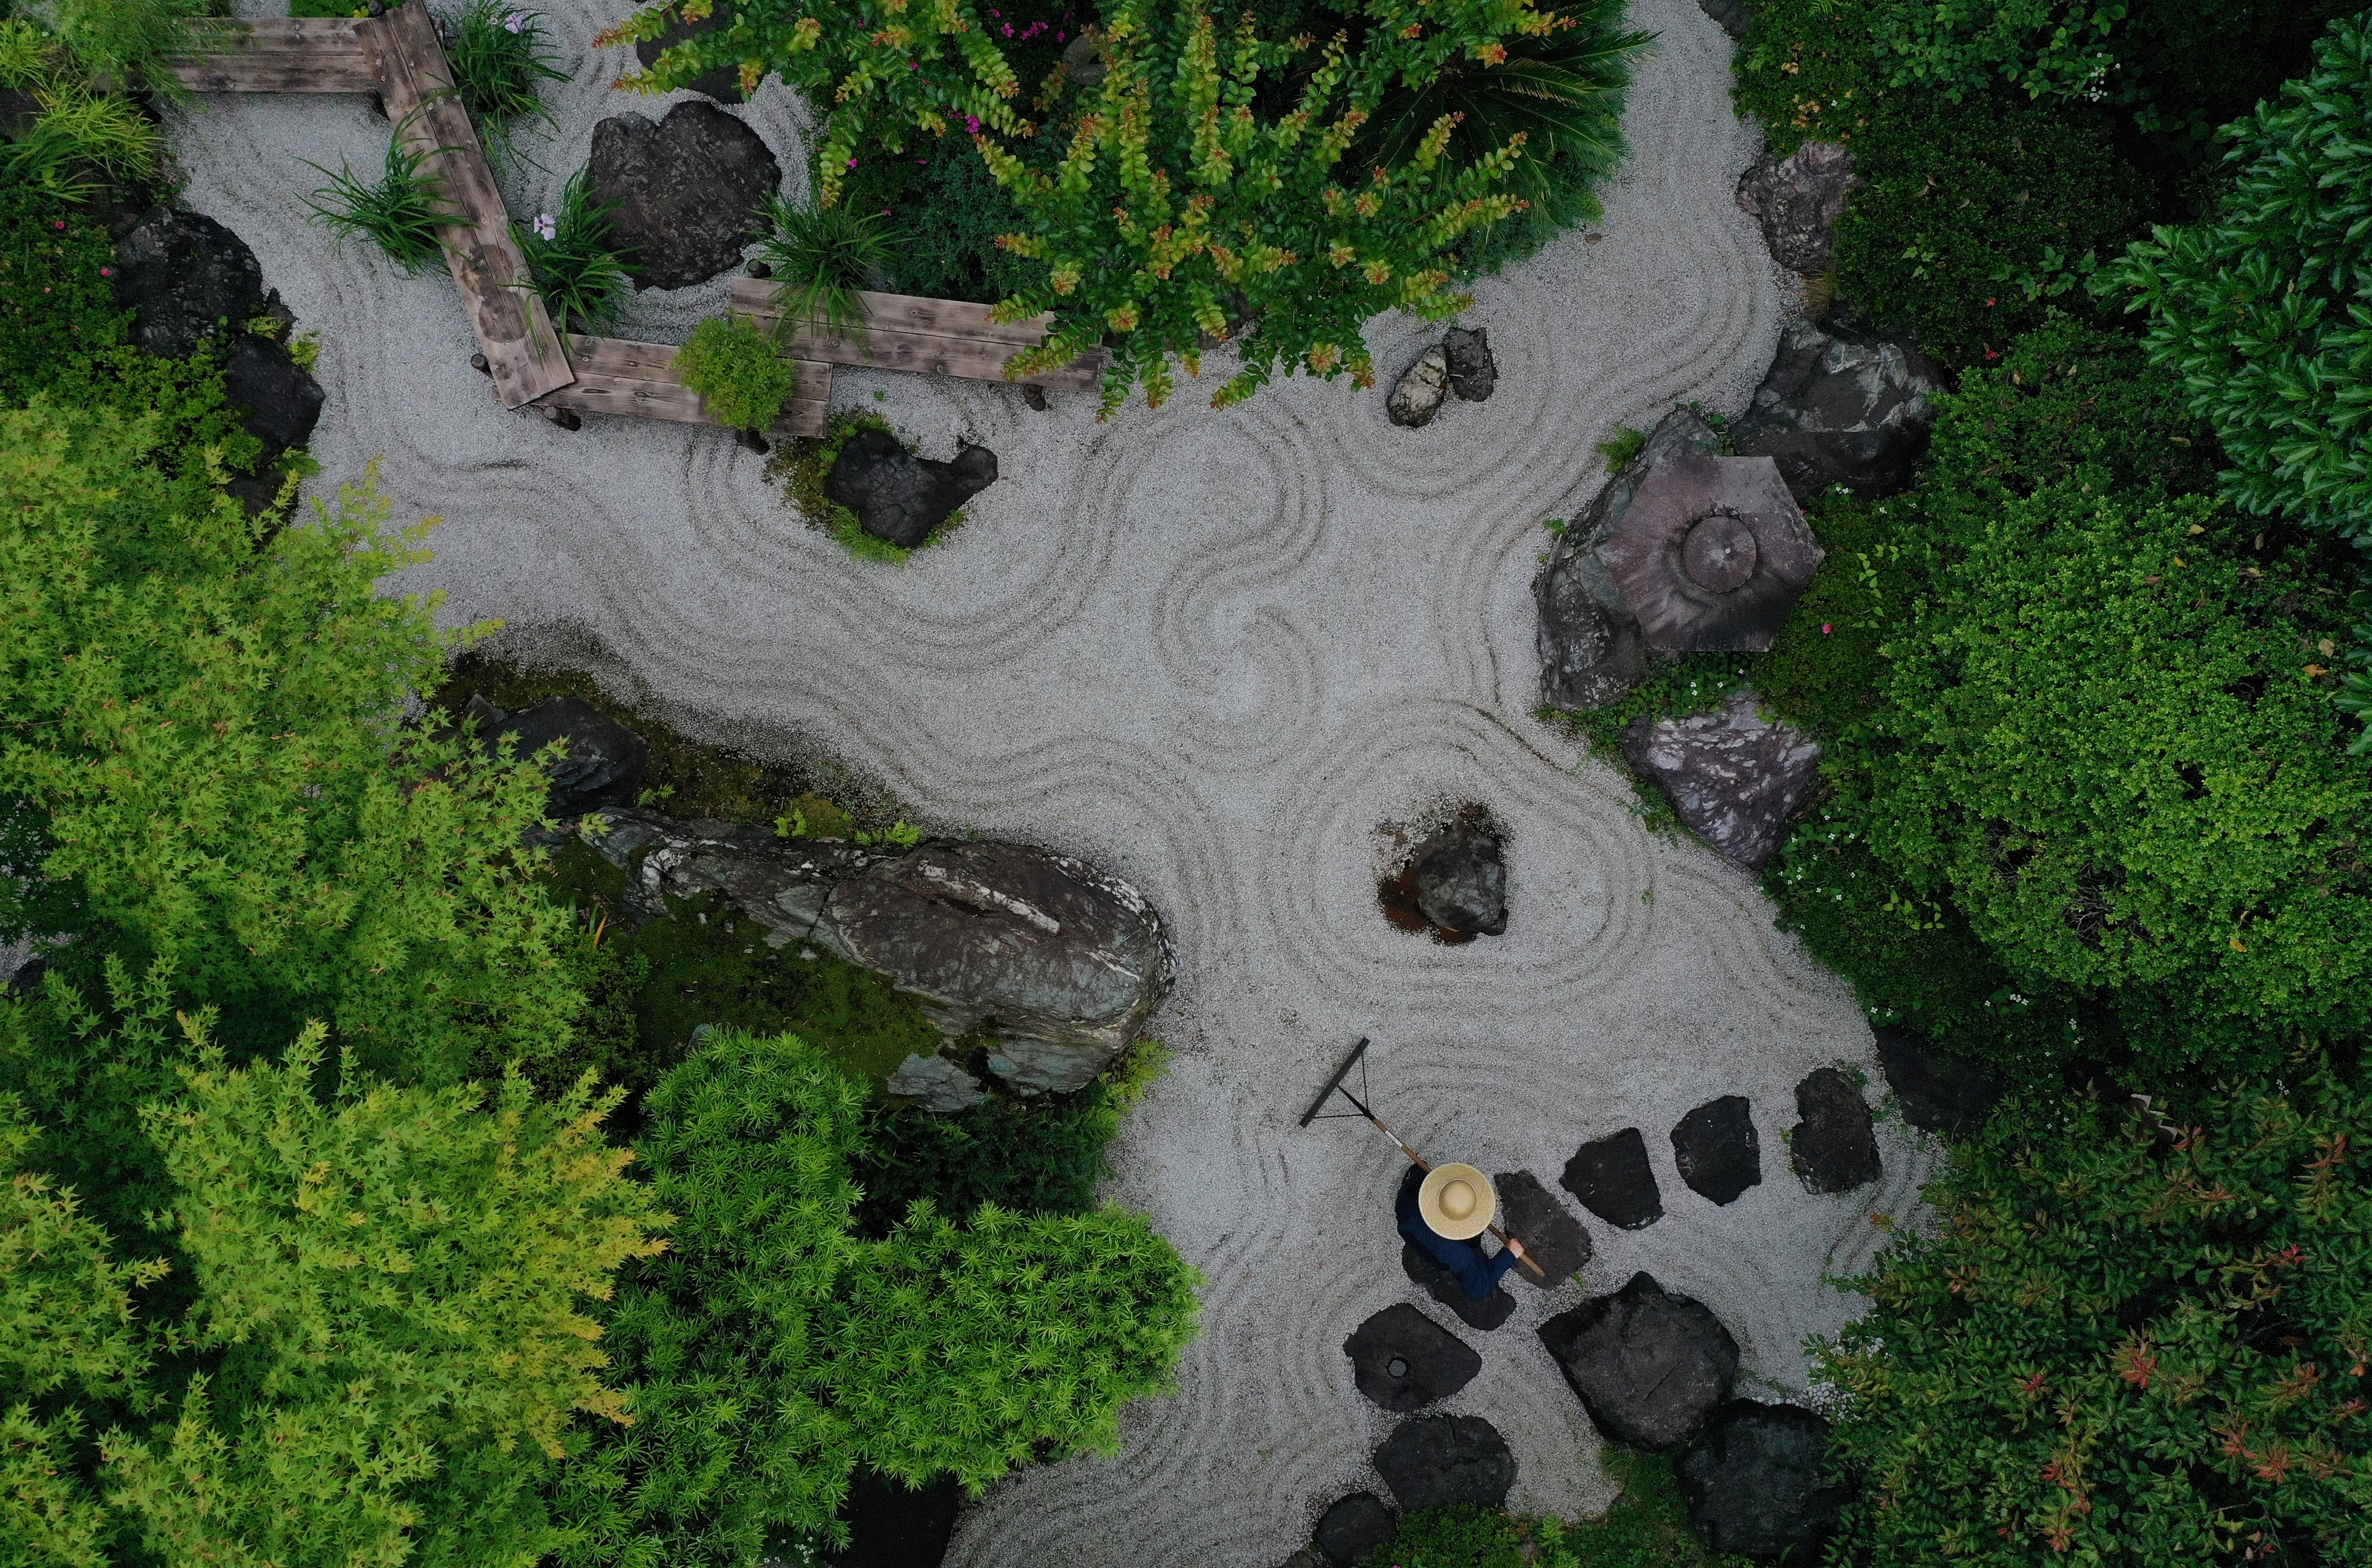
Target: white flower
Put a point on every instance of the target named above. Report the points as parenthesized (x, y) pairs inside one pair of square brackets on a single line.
[(547, 227), (514, 21)]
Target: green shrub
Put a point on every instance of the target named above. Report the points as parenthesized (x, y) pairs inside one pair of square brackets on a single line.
[(569, 262), (2118, 1348), (946, 211), (187, 407), (2112, 755), (2053, 48), (731, 362), (2258, 310), (1824, 669), (56, 305), (820, 258), (400, 213), (82, 140), (128, 41), (496, 53), (1647, 1527)]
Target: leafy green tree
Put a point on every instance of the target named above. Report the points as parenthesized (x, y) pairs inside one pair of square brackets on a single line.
[(2113, 749), (2118, 1348), (772, 1348), (201, 723), (2262, 311)]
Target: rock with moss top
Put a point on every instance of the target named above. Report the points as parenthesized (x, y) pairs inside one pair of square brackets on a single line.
[(898, 497)]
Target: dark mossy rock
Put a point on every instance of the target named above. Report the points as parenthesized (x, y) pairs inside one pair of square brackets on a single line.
[(1551, 1236), (185, 278), (1716, 1150), (1432, 1462), (890, 1525), (1832, 1147), (1353, 1527), (1614, 1180), (1939, 1092), (684, 191), (282, 401), (1842, 405), (1797, 200), (1650, 1367), (1754, 1482), (1439, 1284), (898, 496), (1404, 1361), (604, 762)]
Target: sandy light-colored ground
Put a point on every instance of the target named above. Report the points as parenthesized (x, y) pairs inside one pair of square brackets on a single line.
[(1215, 651)]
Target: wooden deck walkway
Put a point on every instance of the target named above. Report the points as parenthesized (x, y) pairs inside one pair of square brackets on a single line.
[(398, 56)]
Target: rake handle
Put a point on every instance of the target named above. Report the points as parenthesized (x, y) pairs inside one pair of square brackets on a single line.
[(1525, 1259)]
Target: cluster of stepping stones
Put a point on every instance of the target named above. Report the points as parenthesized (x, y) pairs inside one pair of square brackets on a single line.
[(1654, 1370)]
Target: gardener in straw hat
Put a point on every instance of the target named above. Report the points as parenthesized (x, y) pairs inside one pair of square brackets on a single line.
[(1446, 1213)]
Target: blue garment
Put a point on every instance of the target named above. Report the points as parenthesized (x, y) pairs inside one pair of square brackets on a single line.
[(1478, 1276)]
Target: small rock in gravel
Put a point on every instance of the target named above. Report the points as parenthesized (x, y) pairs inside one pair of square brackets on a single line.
[(1716, 1150), (1461, 882), (1832, 1147), (1417, 396), (1611, 1177), (898, 496), (1474, 373)]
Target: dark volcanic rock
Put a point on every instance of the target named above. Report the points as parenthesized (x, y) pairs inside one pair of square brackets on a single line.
[(1591, 649), (1431, 1461), (1474, 373), (1797, 201), (899, 497), (185, 278), (1716, 1150), (1753, 1485), (1939, 1092), (1733, 16), (1842, 405), (1832, 1147), (1461, 883), (1650, 1367), (1354, 1526), (1067, 960), (1486, 1314), (686, 190), (1614, 1180), (1711, 554), (605, 760), (724, 82), (1404, 1361), (283, 401), (1551, 1236), (890, 1527), (1734, 776)]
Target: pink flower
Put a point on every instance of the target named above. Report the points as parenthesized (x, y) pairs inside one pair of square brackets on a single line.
[(514, 21), (106, 272), (972, 126), (1824, 628), (851, 163), (1009, 29), (547, 227)]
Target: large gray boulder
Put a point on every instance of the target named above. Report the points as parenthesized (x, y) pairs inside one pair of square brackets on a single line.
[(1065, 962), (1842, 405), (1734, 776), (1650, 1367), (1797, 200), (1753, 1484), (1712, 553), (1591, 650), (684, 191)]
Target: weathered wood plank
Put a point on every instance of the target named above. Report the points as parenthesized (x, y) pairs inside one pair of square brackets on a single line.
[(618, 375), (350, 71), (515, 332), (970, 346), (285, 32)]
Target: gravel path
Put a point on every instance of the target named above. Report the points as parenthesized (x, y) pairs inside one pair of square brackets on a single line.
[(1215, 651)]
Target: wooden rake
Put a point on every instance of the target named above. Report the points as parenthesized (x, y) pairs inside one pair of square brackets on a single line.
[(1337, 1086)]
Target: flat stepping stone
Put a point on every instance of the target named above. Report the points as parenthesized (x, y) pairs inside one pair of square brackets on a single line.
[(1551, 1236), (1432, 1462), (1353, 1527), (1486, 1314), (1612, 1179), (1832, 1147), (1716, 1150), (1650, 1367), (1753, 1484), (1404, 1361), (1939, 1092)]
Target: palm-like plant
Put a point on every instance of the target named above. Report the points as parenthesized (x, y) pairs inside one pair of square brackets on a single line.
[(822, 259)]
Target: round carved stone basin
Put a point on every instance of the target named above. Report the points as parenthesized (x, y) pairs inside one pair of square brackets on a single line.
[(1719, 554)]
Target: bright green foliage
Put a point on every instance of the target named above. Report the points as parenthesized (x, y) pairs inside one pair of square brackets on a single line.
[(569, 260), (2059, 48), (399, 213), (1562, 92), (772, 1348), (80, 140), (2113, 759), (2263, 311), (126, 41), (200, 706), (1175, 208), (731, 362), (2117, 1351)]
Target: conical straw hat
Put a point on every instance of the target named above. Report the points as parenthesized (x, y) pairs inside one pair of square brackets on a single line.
[(1458, 1201)]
